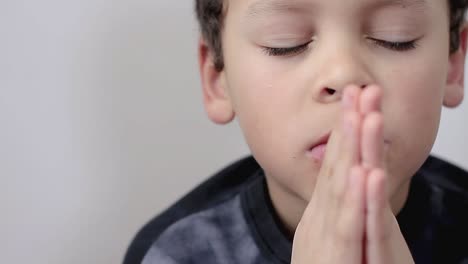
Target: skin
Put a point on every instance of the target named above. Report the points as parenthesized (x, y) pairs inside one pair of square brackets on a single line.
[(381, 108)]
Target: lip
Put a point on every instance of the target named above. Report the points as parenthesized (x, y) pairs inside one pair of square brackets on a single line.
[(317, 149), (323, 140)]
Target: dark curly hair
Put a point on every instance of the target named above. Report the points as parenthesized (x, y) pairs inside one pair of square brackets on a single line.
[(210, 15)]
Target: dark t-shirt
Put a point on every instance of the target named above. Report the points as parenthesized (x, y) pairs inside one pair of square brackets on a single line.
[(230, 219)]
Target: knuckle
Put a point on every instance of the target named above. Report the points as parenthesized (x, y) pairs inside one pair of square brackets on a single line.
[(344, 231), (344, 236), (384, 236), (337, 191), (337, 196), (347, 231), (326, 171)]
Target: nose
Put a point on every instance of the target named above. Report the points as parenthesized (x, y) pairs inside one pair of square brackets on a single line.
[(338, 68)]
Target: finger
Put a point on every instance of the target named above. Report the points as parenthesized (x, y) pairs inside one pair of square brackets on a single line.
[(371, 100), (348, 151), (349, 155), (378, 218), (384, 241), (351, 98), (351, 219), (372, 148), (350, 132), (340, 135)]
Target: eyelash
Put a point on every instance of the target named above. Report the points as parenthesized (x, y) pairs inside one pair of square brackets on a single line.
[(394, 46), (286, 51)]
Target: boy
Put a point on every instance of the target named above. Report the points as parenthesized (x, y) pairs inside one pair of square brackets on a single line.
[(339, 102)]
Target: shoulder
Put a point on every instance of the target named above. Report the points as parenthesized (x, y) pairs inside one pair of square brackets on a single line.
[(448, 186), (216, 235), (448, 203), (445, 175), (215, 191)]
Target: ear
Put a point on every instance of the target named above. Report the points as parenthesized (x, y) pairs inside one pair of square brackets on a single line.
[(454, 91), (216, 99)]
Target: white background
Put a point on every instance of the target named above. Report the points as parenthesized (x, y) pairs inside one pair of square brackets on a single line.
[(102, 125)]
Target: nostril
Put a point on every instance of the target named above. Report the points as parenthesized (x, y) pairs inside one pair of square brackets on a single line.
[(330, 91)]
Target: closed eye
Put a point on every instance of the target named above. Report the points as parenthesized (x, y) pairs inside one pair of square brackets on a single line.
[(396, 46), (289, 51), (286, 51)]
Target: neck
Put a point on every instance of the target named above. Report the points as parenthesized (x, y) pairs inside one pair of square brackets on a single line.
[(289, 207)]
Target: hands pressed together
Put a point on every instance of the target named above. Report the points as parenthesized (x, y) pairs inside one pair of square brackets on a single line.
[(349, 217)]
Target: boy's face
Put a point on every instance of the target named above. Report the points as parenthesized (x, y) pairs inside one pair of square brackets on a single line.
[(286, 94)]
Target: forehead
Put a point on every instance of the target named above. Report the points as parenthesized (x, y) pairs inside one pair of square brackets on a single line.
[(254, 8), (262, 4)]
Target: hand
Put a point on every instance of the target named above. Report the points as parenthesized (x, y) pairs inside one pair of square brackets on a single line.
[(384, 242), (349, 219), (332, 227)]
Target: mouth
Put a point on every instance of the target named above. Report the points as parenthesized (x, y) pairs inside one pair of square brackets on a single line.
[(317, 150)]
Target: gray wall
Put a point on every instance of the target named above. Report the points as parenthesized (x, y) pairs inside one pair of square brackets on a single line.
[(102, 125)]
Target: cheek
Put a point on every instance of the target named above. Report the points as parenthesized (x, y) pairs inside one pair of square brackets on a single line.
[(412, 108), (263, 111), (267, 103), (261, 100)]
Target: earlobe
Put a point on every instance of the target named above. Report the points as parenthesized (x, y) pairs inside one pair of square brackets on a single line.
[(454, 92), (216, 99)]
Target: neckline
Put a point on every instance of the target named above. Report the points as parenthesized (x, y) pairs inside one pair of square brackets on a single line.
[(270, 236), (263, 221)]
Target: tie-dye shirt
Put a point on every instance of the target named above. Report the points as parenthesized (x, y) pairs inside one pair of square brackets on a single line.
[(230, 219)]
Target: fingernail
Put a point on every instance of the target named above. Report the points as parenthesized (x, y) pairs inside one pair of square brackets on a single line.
[(347, 100), (348, 125), (353, 178)]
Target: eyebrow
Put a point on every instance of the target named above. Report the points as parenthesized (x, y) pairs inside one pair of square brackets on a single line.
[(269, 7), (401, 3)]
